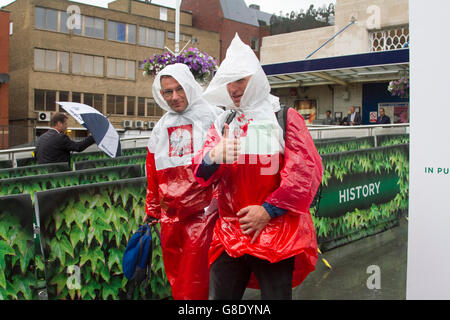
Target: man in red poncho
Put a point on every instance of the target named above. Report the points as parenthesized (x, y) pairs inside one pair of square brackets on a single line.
[(185, 209), (264, 236)]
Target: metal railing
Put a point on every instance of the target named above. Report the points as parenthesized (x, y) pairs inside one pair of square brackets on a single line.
[(317, 132), (324, 132)]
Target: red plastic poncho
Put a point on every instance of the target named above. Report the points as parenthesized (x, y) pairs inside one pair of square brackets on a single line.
[(173, 194), (284, 173)]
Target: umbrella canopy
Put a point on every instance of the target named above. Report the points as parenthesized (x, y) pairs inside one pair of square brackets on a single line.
[(100, 127)]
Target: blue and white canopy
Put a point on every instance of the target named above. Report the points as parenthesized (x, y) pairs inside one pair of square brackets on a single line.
[(100, 127)]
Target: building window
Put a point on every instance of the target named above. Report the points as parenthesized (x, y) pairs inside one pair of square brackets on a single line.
[(115, 104), (153, 110), (76, 97), (163, 14), (124, 69), (49, 19), (254, 44), (151, 37), (49, 60), (91, 27), (123, 32), (87, 65), (44, 100), (183, 37), (389, 39), (131, 101), (94, 100), (141, 107), (63, 96)]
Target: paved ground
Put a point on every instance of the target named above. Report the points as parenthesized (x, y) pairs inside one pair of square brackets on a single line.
[(347, 280)]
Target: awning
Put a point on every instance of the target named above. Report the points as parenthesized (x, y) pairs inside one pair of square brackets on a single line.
[(341, 70), (4, 77)]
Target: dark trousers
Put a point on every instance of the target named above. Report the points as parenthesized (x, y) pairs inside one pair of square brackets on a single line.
[(229, 277)]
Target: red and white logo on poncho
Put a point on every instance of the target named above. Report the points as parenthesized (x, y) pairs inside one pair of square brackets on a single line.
[(181, 140)]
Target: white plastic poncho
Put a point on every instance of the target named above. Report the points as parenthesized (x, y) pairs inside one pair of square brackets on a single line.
[(256, 104), (190, 126)]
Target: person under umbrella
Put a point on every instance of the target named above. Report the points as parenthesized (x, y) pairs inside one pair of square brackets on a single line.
[(55, 146), (186, 210)]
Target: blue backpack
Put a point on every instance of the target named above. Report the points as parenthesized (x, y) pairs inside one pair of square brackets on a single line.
[(136, 261)]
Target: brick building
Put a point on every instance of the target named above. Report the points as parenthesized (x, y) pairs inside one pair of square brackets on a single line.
[(4, 78), (98, 63), (228, 17)]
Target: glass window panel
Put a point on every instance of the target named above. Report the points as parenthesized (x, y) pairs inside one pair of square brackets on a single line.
[(39, 100), (63, 62), (163, 14), (120, 68), (120, 104), (63, 96), (89, 26), (98, 102), (160, 39), (130, 106), (171, 35), (50, 100), (151, 108), (88, 64), (111, 68), (110, 103), (99, 28), (121, 32), (98, 66), (152, 37), (141, 107), (63, 17), (131, 33), (158, 111), (112, 30), (131, 66), (76, 63), (52, 20), (50, 60), (77, 29), (39, 59), (76, 97), (142, 36), (88, 99), (40, 18)]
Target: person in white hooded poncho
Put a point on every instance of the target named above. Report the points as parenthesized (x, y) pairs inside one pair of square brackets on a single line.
[(264, 237), (173, 195)]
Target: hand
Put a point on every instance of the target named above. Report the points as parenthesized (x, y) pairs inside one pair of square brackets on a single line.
[(150, 220), (255, 219), (227, 150)]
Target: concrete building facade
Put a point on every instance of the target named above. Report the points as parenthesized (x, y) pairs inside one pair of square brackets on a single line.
[(366, 30), (67, 51), (4, 78)]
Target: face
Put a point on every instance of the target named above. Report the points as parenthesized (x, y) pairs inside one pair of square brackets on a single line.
[(352, 109), (381, 112), (173, 93), (236, 90), (328, 113), (61, 126)]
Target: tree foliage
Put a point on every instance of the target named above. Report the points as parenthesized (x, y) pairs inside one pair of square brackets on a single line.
[(312, 18)]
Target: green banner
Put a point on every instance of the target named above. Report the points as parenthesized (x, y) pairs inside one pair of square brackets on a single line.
[(363, 192), (357, 191)]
